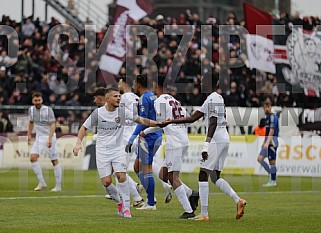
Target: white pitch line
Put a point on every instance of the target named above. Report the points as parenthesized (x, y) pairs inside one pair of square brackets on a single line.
[(51, 197), (212, 194)]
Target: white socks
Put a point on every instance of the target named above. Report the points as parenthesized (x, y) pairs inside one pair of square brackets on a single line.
[(38, 172), (167, 187), (133, 190), (188, 190), (204, 192), (125, 194), (112, 191), (227, 189), (58, 175), (181, 195)]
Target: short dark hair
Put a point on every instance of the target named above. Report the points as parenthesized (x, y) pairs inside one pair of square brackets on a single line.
[(262, 122), (161, 79), (126, 79), (141, 79), (100, 91), (36, 94), (110, 89), (267, 103), (209, 81)]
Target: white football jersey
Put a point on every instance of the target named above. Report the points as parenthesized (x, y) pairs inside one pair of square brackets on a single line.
[(167, 107), (42, 118), (214, 106), (130, 101), (110, 127)]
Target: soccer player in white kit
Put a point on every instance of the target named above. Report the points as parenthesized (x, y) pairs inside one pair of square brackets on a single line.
[(110, 146), (177, 143), (100, 100), (44, 119), (130, 101), (215, 149)]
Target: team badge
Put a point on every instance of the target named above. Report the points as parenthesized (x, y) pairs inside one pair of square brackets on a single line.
[(142, 109), (117, 119)]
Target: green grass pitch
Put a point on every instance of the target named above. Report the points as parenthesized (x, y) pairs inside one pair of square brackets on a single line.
[(293, 206)]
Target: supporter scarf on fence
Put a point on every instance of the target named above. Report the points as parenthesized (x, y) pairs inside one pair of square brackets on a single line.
[(126, 12)]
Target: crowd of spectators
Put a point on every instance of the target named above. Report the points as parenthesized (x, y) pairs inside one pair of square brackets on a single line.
[(66, 75)]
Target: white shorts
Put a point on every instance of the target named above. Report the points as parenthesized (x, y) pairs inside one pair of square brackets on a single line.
[(217, 153), (107, 162), (174, 158), (40, 147)]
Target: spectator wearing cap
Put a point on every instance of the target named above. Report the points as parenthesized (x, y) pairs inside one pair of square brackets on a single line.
[(159, 22)]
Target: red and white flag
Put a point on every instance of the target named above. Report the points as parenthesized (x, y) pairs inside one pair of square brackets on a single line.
[(255, 17), (126, 12), (260, 53)]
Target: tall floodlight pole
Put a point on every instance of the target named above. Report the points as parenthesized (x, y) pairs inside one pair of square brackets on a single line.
[(276, 5), (33, 9), (22, 10)]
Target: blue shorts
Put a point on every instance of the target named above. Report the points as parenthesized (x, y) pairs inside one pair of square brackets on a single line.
[(147, 150), (270, 153)]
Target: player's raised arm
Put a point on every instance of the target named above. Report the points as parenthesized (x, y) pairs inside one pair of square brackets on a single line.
[(146, 122), (191, 119)]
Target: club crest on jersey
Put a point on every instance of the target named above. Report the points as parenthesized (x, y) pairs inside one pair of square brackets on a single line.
[(117, 119), (142, 109)]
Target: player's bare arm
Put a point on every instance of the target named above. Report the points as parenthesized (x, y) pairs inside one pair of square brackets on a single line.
[(146, 122), (268, 139), (30, 128), (52, 131), (80, 137), (191, 119)]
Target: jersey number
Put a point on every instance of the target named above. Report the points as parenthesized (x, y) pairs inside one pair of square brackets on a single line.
[(176, 109)]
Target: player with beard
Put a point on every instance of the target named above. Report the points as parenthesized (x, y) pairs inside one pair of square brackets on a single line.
[(44, 119)]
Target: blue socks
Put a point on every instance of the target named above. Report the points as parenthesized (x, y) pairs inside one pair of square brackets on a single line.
[(273, 172), (265, 166), (148, 182)]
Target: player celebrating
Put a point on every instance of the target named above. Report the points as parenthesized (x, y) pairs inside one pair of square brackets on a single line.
[(215, 149), (177, 143), (110, 146), (100, 100), (270, 144), (43, 117)]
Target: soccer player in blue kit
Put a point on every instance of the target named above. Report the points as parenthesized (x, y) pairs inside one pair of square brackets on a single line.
[(147, 145), (270, 144)]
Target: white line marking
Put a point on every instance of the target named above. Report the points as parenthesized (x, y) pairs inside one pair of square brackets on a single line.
[(103, 195)]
